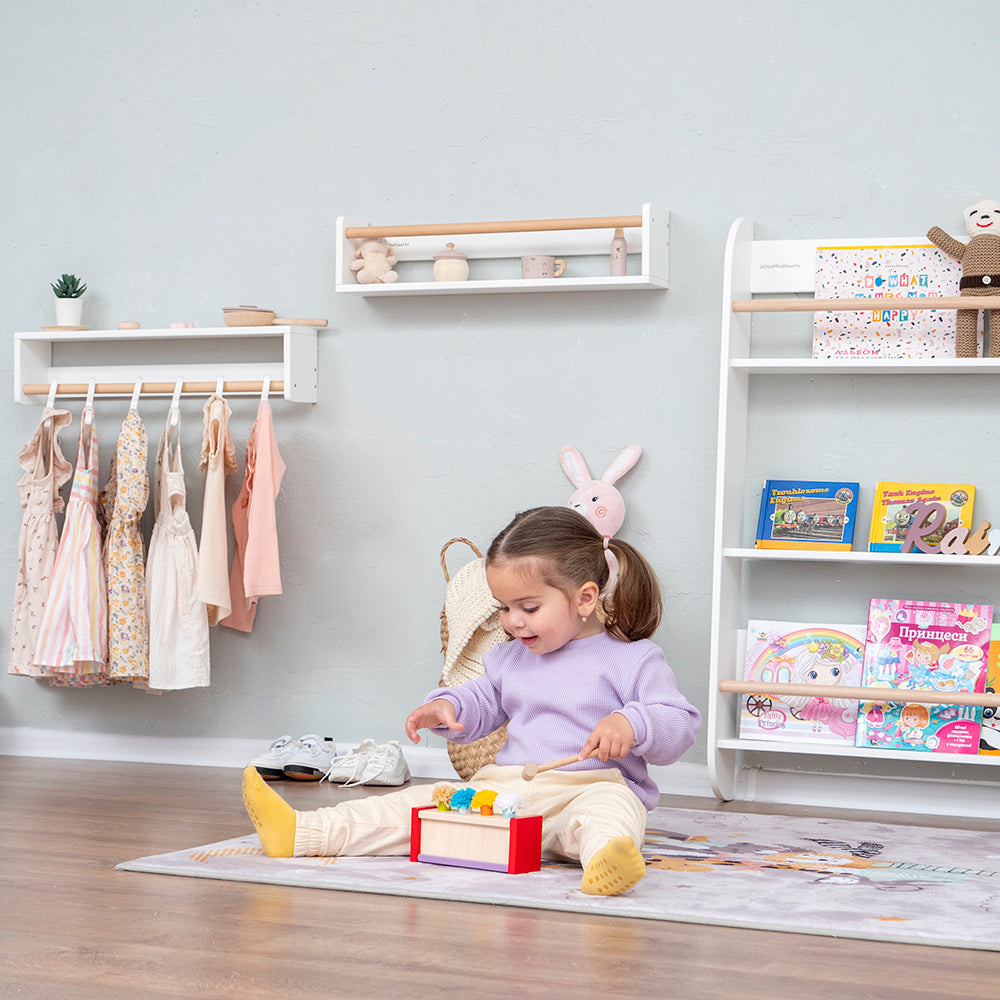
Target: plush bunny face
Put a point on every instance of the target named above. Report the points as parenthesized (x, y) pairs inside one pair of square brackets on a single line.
[(983, 217), (597, 499)]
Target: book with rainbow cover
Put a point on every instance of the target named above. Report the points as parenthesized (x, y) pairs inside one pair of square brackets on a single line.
[(801, 653), (924, 645)]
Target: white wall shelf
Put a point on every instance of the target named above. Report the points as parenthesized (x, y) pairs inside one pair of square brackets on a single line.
[(586, 248), (291, 365), (764, 269)]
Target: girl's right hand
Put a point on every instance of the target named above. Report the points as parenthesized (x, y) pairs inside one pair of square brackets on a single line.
[(439, 712)]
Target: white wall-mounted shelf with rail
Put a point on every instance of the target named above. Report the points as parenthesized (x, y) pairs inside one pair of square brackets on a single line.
[(291, 366), (585, 243), (765, 269)]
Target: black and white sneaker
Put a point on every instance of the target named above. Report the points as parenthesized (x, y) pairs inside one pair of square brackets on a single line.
[(312, 758), (270, 764)]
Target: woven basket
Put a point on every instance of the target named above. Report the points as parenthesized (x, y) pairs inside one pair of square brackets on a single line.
[(474, 630)]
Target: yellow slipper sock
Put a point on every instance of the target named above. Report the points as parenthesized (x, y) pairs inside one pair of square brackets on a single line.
[(615, 868), (273, 817)]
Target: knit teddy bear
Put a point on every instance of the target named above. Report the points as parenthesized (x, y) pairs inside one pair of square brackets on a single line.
[(980, 259), (374, 262)]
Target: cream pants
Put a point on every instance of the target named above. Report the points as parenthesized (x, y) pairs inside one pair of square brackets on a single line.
[(581, 812)]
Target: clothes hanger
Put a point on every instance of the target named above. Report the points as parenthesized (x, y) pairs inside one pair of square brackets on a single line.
[(51, 401), (175, 407), (219, 386), (265, 389), (136, 392), (88, 407)]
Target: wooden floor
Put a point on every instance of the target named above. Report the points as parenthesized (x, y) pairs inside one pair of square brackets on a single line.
[(73, 928)]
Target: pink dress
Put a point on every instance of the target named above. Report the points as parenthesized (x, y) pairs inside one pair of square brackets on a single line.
[(73, 636), (218, 460), (124, 502), (256, 568), (178, 622), (45, 472)]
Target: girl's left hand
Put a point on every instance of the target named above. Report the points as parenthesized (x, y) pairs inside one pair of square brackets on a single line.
[(612, 737)]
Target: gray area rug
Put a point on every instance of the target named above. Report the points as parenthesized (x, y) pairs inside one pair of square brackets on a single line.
[(781, 873)]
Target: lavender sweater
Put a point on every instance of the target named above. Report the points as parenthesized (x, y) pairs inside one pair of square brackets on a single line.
[(553, 701)]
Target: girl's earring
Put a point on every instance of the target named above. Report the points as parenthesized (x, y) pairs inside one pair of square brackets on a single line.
[(583, 619)]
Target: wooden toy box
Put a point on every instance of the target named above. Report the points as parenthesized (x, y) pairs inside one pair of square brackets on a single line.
[(469, 840)]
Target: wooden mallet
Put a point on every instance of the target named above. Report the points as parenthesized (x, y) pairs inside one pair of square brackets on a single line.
[(530, 770)]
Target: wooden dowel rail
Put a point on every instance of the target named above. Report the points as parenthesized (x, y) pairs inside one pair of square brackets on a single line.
[(879, 695), (151, 388), (473, 228), (865, 305)]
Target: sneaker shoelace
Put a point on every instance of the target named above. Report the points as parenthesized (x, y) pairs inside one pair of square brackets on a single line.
[(356, 758)]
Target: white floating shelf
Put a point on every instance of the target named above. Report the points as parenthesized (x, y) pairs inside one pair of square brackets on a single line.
[(296, 368), (648, 243)]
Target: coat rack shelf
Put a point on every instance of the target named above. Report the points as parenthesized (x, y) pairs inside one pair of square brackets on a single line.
[(494, 249), (116, 359)]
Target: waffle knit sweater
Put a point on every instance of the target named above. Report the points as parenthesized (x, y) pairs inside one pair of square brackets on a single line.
[(552, 702)]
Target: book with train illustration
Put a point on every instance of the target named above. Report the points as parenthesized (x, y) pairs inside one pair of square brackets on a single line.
[(807, 514), (892, 511), (802, 653), (924, 645)]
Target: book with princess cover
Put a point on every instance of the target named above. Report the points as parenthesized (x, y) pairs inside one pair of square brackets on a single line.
[(807, 514), (916, 271), (892, 514), (801, 653), (931, 646), (989, 735)]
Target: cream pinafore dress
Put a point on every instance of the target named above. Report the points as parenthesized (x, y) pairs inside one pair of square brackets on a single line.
[(45, 473)]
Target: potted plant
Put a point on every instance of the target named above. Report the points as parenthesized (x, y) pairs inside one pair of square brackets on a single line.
[(69, 308)]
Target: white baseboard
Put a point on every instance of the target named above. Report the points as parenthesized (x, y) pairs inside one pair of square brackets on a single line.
[(903, 795)]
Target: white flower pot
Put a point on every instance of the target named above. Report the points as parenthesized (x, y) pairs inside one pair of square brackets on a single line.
[(69, 312)]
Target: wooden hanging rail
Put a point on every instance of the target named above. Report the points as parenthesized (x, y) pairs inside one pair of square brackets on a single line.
[(880, 695), (153, 388), (466, 228), (865, 305)]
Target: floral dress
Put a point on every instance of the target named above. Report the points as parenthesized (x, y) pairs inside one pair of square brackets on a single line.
[(45, 473), (122, 503)]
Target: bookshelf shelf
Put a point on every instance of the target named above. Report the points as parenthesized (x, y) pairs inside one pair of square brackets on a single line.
[(755, 272)]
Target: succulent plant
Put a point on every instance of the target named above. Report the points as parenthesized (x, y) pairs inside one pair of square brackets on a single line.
[(69, 286)]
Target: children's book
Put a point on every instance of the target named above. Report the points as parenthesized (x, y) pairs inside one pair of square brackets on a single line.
[(798, 653), (924, 645), (989, 735), (917, 271), (806, 514), (892, 516)]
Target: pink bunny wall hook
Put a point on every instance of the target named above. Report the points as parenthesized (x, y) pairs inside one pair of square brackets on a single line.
[(597, 499)]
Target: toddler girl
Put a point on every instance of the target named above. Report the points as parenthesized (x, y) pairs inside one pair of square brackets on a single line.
[(579, 676)]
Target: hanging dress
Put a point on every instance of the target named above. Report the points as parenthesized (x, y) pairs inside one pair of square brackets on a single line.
[(45, 472), (218, 460), (178, 621), (122, 503), (256, 568), (73, 638)]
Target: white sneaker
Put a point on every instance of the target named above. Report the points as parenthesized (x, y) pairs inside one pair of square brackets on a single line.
[(271, 763), (312, 758), (385, 765), (348, 766)]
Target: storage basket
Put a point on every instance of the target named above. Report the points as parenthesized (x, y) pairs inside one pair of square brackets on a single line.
[(470, 628)]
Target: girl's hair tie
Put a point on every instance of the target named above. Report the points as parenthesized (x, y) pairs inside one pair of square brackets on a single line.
[(612, 561)]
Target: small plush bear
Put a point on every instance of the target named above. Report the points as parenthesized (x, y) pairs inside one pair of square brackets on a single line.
[(980, 259), (374, 263)]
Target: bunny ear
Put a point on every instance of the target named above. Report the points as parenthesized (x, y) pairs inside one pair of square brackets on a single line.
[(574, 466), (626, 458)]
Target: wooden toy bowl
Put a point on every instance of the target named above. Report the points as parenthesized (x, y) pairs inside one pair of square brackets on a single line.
[(252, 316)]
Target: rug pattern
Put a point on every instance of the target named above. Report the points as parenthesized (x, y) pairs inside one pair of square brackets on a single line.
[(795, 874)]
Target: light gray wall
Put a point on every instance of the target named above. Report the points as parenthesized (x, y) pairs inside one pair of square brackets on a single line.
[(185, 157)]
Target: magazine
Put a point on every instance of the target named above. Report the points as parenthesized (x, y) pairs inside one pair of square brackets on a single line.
[(802, 653), (924, 645), (915, 271)]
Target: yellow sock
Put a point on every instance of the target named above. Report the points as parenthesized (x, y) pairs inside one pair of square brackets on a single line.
[(614, 868), (273, 817)]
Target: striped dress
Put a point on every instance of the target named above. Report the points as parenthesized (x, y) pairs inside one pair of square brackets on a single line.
[(73, 636)]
